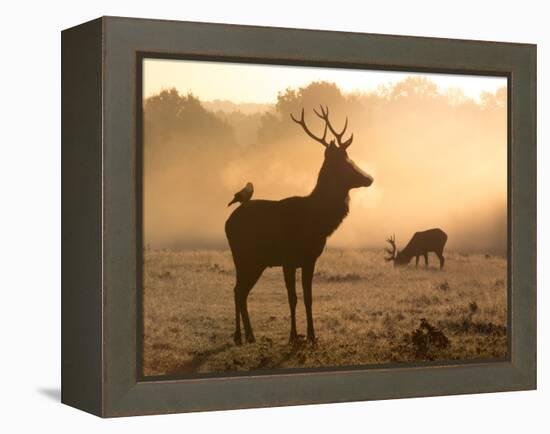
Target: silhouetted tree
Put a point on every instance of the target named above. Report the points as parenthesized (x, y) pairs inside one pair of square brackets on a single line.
[(494, 100), (175, 124), (276, 126)]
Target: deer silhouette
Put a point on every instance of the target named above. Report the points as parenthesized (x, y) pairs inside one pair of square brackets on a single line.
[(432, 240), (292, 232)]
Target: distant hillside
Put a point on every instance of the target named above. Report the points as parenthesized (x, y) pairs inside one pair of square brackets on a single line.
[(247, 108)]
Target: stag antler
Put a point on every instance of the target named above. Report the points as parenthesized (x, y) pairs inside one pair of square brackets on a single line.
[(391, 240), (302, 122), (324, 115)]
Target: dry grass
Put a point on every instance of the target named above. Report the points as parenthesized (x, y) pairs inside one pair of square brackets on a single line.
[(365, 312)]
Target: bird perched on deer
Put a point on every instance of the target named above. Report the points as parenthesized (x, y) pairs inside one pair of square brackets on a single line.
[(244, 195)]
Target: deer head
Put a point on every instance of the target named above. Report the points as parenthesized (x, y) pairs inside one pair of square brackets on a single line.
[(394, 254), (338, 171)]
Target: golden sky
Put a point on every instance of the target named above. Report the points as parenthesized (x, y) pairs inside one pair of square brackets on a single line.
[(260, 83)]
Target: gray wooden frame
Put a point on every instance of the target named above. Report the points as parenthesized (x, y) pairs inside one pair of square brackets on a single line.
[(100, 226)]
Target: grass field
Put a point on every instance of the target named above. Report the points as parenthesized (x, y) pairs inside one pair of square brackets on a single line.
[(365, 312)]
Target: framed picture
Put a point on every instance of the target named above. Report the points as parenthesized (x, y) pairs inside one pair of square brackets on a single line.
[(258, 217)]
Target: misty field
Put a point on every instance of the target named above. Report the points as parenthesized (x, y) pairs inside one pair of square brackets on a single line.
[(365, 312)]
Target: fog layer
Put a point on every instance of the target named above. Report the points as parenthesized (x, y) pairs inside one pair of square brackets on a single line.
[(438, 160)]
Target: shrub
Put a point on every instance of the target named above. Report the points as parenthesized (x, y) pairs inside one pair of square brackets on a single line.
[(336, 278), (444, 286), (473, 308), (428, 341)]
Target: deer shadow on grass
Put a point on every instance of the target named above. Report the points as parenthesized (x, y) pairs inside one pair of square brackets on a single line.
[(266, 355), (272, 356), (192, 365)]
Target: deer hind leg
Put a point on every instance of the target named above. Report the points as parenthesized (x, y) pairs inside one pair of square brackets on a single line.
[(246, 321), (441, 259), (246, 279), (417, 258), (237, 335), (290, 282), (307, 280), (426, 259)]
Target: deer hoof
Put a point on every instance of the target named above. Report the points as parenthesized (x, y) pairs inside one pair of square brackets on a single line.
[(250, 339), (237, 339), (312, 340), (295, 339)]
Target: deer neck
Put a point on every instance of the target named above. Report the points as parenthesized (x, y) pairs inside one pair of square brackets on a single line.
[(406, 254), (330, 202)]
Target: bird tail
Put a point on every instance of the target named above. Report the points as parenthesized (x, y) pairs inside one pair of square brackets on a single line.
[(232, 202)]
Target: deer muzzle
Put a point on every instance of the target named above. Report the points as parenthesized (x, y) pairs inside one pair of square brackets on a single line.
[(361, 178), (367, 180)]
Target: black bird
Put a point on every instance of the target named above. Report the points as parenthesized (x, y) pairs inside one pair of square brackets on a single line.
[(244, 195)]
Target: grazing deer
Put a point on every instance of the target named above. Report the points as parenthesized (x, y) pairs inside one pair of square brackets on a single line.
[(432, 240), (292, 232)]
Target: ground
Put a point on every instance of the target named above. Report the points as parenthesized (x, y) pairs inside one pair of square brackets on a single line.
[(365, 312)]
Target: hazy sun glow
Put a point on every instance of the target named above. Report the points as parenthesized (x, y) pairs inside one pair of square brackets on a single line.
[(251, 83), (436, 145)]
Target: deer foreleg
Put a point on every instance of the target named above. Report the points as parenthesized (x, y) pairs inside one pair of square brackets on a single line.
[(307, 279), (290, 282)]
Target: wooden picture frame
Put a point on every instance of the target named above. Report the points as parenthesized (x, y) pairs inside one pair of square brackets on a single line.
[(101, 108)]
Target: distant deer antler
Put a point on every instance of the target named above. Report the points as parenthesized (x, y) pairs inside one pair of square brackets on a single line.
[(391, 240)]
